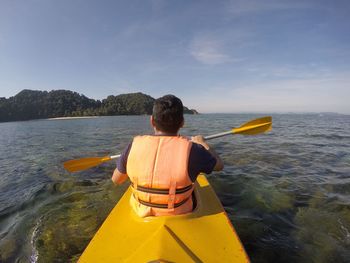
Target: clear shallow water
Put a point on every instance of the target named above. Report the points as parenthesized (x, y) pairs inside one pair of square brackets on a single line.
[(286, 192)]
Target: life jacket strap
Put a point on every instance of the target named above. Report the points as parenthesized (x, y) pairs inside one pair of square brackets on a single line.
[(172, 194), (165, 206), (160, 191)]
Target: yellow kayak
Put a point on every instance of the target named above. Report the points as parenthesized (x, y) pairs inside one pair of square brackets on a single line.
[(205, 235)]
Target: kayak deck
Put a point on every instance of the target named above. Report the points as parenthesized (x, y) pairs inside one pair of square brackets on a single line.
[(205, 235)]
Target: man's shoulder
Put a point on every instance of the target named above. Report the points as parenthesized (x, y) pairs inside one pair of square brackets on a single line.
[(199, 154), (198, 149)]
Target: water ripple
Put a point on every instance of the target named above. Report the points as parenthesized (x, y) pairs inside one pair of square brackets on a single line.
[(286, 192)]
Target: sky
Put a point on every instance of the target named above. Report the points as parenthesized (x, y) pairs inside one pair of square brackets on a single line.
[(217, 56)]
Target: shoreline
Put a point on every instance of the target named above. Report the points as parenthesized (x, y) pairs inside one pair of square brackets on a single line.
[(72, 118)]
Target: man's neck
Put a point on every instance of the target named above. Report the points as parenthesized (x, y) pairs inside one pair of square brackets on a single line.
[(161, 133)]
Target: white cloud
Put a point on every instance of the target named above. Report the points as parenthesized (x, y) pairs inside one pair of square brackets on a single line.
[(208, 51), (222, 45)]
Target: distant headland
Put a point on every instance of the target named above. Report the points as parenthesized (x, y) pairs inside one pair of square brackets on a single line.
[(35, 104)]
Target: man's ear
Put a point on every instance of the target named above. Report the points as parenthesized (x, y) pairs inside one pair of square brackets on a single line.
[(152, 122)]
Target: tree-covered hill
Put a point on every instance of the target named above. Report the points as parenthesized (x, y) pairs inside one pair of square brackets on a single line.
[(34, 104), (127, 104)]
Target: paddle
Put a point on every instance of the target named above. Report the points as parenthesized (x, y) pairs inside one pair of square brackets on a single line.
[(253, 127)]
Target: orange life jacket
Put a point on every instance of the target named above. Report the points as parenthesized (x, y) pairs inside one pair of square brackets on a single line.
[(158, 170)]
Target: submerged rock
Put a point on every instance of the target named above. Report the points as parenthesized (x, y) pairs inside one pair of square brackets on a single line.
[(69, 225), (267, 199), (323, 235), (7, 249)]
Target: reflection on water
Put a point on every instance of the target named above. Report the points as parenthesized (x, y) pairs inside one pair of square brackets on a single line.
[(286, 192)]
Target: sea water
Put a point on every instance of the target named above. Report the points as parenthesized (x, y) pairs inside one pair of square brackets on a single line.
[(286, 192)]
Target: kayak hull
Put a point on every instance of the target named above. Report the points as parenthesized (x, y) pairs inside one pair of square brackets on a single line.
[(205, 235)]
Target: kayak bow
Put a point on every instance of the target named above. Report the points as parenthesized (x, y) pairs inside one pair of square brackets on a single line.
[(205, 235)]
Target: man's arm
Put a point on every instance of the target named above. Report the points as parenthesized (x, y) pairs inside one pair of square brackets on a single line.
[(120, 175), (200, 140)]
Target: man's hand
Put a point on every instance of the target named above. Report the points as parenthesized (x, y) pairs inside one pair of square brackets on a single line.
[(118, 177)]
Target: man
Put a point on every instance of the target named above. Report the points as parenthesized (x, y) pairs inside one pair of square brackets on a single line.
[(163, 167)]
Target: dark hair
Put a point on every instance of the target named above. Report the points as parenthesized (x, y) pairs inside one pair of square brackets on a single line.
[(168, 113)]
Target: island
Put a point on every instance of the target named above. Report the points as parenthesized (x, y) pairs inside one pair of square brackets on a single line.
[(36, 104)]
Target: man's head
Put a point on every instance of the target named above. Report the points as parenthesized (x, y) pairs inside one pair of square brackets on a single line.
[(167, 114)]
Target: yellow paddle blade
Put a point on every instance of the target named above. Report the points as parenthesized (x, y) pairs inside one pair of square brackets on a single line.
[(254, 127), (84, 163)]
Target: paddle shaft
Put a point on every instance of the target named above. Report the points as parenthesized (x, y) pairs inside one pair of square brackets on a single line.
[(217, 135), (114, 156), (253, 127), (221, 134)]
